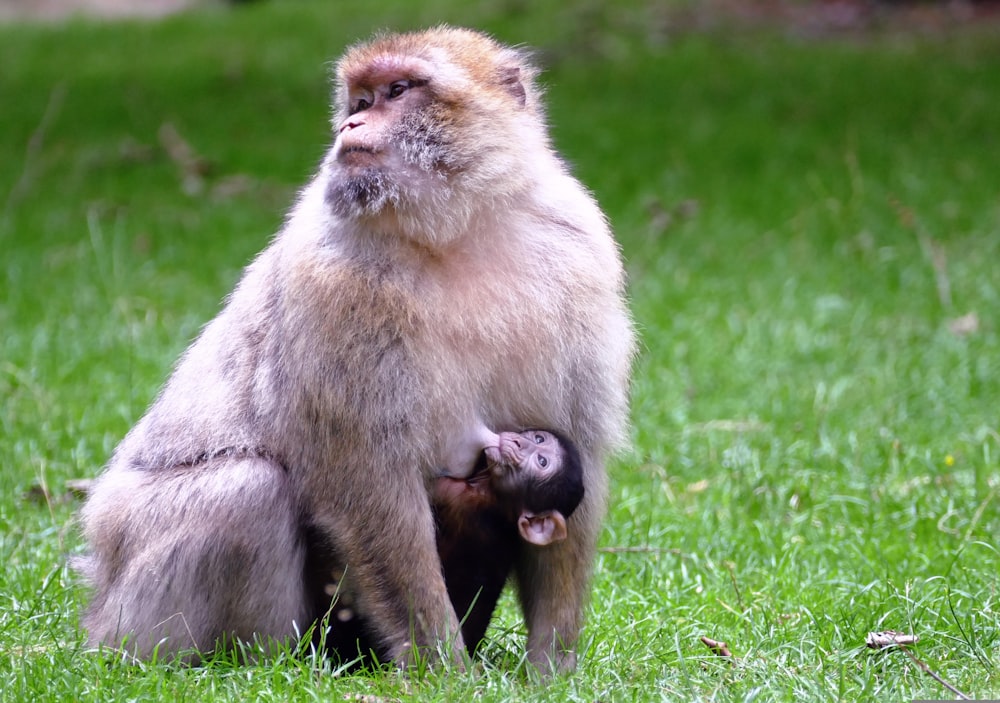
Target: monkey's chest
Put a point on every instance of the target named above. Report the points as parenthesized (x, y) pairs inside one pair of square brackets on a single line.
[(497, 350)]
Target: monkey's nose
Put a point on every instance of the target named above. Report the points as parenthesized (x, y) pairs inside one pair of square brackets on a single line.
[(350, 124)]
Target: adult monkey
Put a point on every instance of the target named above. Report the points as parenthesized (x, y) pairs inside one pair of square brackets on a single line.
[(441, 271)]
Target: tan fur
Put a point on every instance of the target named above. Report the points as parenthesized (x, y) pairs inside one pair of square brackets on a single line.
[(345, 358)]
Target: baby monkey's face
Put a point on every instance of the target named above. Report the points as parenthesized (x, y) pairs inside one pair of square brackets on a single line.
[(523, 456)]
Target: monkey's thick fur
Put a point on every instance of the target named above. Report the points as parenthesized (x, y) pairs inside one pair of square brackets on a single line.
[(464, 275)]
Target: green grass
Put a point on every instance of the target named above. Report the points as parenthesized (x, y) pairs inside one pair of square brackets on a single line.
[(816, 451)]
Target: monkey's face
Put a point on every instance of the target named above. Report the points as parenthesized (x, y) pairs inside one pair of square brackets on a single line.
[(392, 149), (524, 458), (432, 130)]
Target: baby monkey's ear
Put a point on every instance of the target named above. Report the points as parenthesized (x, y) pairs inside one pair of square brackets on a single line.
[(542, 529)]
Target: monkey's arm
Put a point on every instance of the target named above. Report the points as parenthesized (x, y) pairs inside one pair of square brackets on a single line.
[(355, 425), (390, 552), (553, 581)]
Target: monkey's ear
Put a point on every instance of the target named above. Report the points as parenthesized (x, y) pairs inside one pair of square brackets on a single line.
[(542, 529), (510, 79)]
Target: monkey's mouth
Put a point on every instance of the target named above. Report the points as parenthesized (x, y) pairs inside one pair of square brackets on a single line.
[(509, 452), (493, 456), (356, 153), (493, 465)]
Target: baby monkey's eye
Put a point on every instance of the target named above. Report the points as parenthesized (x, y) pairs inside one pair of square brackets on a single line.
[(543, 462), (539, 439)]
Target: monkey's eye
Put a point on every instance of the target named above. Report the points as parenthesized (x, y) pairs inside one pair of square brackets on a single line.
[(543, 462), (360, 104), (398, 88), (539, 439)]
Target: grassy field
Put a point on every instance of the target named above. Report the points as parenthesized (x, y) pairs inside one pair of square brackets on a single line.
[(813, 234)]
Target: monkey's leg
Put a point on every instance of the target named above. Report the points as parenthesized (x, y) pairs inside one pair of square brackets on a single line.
[(553, 583), (394, 570), (185, 557)]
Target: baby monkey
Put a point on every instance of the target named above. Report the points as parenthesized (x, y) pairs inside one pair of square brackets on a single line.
[(521, 489)]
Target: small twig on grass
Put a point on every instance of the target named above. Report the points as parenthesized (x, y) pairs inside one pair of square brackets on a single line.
[(927, 670), (939, 260), (731, 568), (890, 638), (932, 250), (192, 166), (35, 143), (719, 648), (965, 325)]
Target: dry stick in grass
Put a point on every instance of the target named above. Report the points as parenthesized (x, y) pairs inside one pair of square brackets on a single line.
[(932, 250), (192, 166), (720, 648), (939, 260), (732, 577), (935, 253), (889, 638), (927, 670), (34, 148)]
